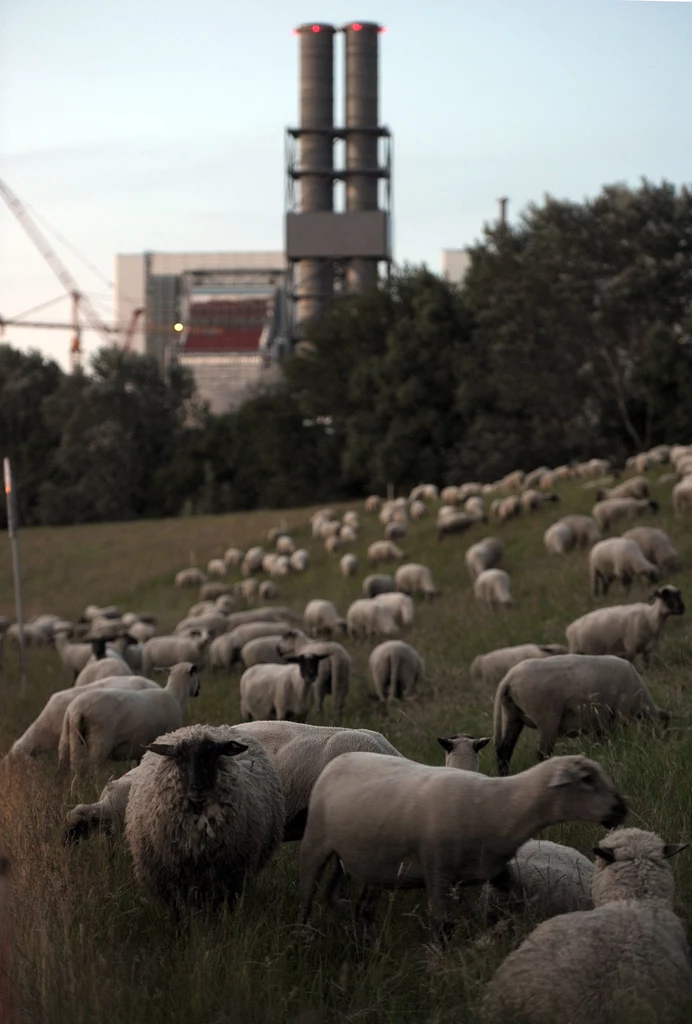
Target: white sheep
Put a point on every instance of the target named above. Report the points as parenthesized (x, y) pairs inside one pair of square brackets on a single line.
[(300, 560), (635, 487), (225, 650), (682, 495), (475, 506), (279, 691), (396, 824), (285, 545), (102, 669), (190, 578), (532, 501), (373, 503), (348, 565), (492, 666), (348, 534), (108, 724), (268, 591), (585, 529), (321, 618), (252, 561), (657, 547), (384, 551), (492, 586), (485, 554), (332, 544), (365, 618), (626, 960), (612, 510), (400, 605), (166, 651), (565, 696), (455, 522), (107, 815), (213, 623), (214, 590), (248, 589), (625, 630), (334, 672), (461, 751), (205, 814), (261, 651), (559, 539), (417, 510), (351, 518), (414, 578), (396, 669), (233, 557), (268, 613), (378, 583), (216, 567), (618, 558)]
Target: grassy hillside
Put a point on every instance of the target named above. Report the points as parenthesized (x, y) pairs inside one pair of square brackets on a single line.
[(91, 947)]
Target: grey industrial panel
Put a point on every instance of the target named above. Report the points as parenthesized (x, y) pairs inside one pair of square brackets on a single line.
[(334, 236)]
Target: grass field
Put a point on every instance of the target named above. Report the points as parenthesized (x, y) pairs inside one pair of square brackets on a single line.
[(90, 947)]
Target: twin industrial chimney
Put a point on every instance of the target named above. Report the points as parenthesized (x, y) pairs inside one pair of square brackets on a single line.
[(332, 250)]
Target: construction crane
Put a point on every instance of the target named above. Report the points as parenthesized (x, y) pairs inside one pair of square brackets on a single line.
[(127, 332), (80, 302)]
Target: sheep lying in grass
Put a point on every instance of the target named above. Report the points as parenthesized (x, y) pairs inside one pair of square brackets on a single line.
[(625, 960), (559, 539), (567, 695), (109, 724), (491, 667), (493, 587), (612, 510), (334, 673), (395, 824), (366, 618), (378, 583), (625, 630), (486, 554), (413, 578), (279, 691), (585, 529), (657, 547), (618, 558), (205, 814), (396, 669)]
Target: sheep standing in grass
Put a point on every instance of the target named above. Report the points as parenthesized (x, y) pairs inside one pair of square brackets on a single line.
[(321, 618), (455, 522), (334, 673), (682, 496), (635, 487), (233, 558), (491, 667), (260, 651), (396, 669), (166, 651), (625, 630), (279, 691), (299, 560), (613, 510), (348, 565), (618, 558), (625, 960), (366, 618), (657, 547), (565, 696), (585, 529), (395, 824), (559, 539), (493, 588), (461, 751), (190, 578), (225, 650), (486, 554), (401, 607), (413, 578), (205, 814), (378, 583), (384, 551)]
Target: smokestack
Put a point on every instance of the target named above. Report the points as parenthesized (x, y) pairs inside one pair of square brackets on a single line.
[(503, 200)]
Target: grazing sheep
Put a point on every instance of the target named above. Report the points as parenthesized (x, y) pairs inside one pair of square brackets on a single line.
[(285, 545), (233, 558), (260, 651), (455, 522), (625, 960), (348, 565), (625, 630), (43, 735), (612, 510), (449, 495), (321, 618), (594, 468), (657, 547), (491, 667), (279, 691), (190, 578), (618, 558), (365, 618), (351, 518), (332, 544), (417, 510), (461, 751), (401, 607), (395, 531), (485, 554), (559, 539), (493, 587), (384, 551), (585, 529), (102, 669), (225, 650), (567, 695), (635, 487), (475, 506), (216, 567), (166, 651), (269, 613), (252, 561), (396, 669), (373, 503), (299, 560), (532, 501), (348, 534), (107, 815), (299, 752), (509, 508), (205, 814), (213, 623), (73, 656), (334, 673), (413, 578), (395, 824), (268, 591), (682, 496), (377, 584), (212, 591), (248, 589), (330, 528)]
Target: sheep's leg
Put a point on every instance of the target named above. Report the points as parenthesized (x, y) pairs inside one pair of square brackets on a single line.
[(438, 885), (502, 884), (510, 736), (547, 735), (312, 863)]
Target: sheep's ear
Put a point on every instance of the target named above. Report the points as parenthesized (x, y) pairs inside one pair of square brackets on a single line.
[(605, 854), (670, 849), (445, 743), (479, 744), (229, 748), (164, 749), (565, 775)]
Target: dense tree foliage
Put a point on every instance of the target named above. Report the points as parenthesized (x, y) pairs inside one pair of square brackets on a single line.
[(572, 336)]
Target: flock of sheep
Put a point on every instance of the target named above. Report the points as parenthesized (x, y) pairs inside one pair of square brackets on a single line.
[(206, 807)]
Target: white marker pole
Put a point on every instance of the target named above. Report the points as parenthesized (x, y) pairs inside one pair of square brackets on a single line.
[(14, 541)]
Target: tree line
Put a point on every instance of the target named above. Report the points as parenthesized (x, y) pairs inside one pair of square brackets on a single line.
[(570, 337)]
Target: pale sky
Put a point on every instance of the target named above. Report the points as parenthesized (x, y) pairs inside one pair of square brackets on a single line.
[(149, 125)]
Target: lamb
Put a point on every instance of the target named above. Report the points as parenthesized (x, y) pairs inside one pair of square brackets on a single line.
[(378, 583), (491, 667), (396, 669), (299, 752), (625, 630), (493, 587), (401, 607), (585, 529), (299, 560), (206, 813), (682, 496), (107, 815), (334, 673), (348, 565), (166, 651), (657, 547), (618, 558), (384, 551), (635, 487), (485, 554), (567, 695), (366, 618), (321, 618), (559, 539), (395, 824), (279, 691), (116, 725), (190, 578), (612, 510), (43, 735), (413, 578), (627, 959)]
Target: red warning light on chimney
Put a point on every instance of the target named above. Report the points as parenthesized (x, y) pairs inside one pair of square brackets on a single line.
[(382, 28), (315, 28), (356, 26)]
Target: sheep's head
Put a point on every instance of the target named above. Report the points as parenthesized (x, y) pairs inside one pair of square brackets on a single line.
[(82, 821), (671, 597), (197, 760), (461, 750), (583, 791), (633, 865), (309, 665)]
